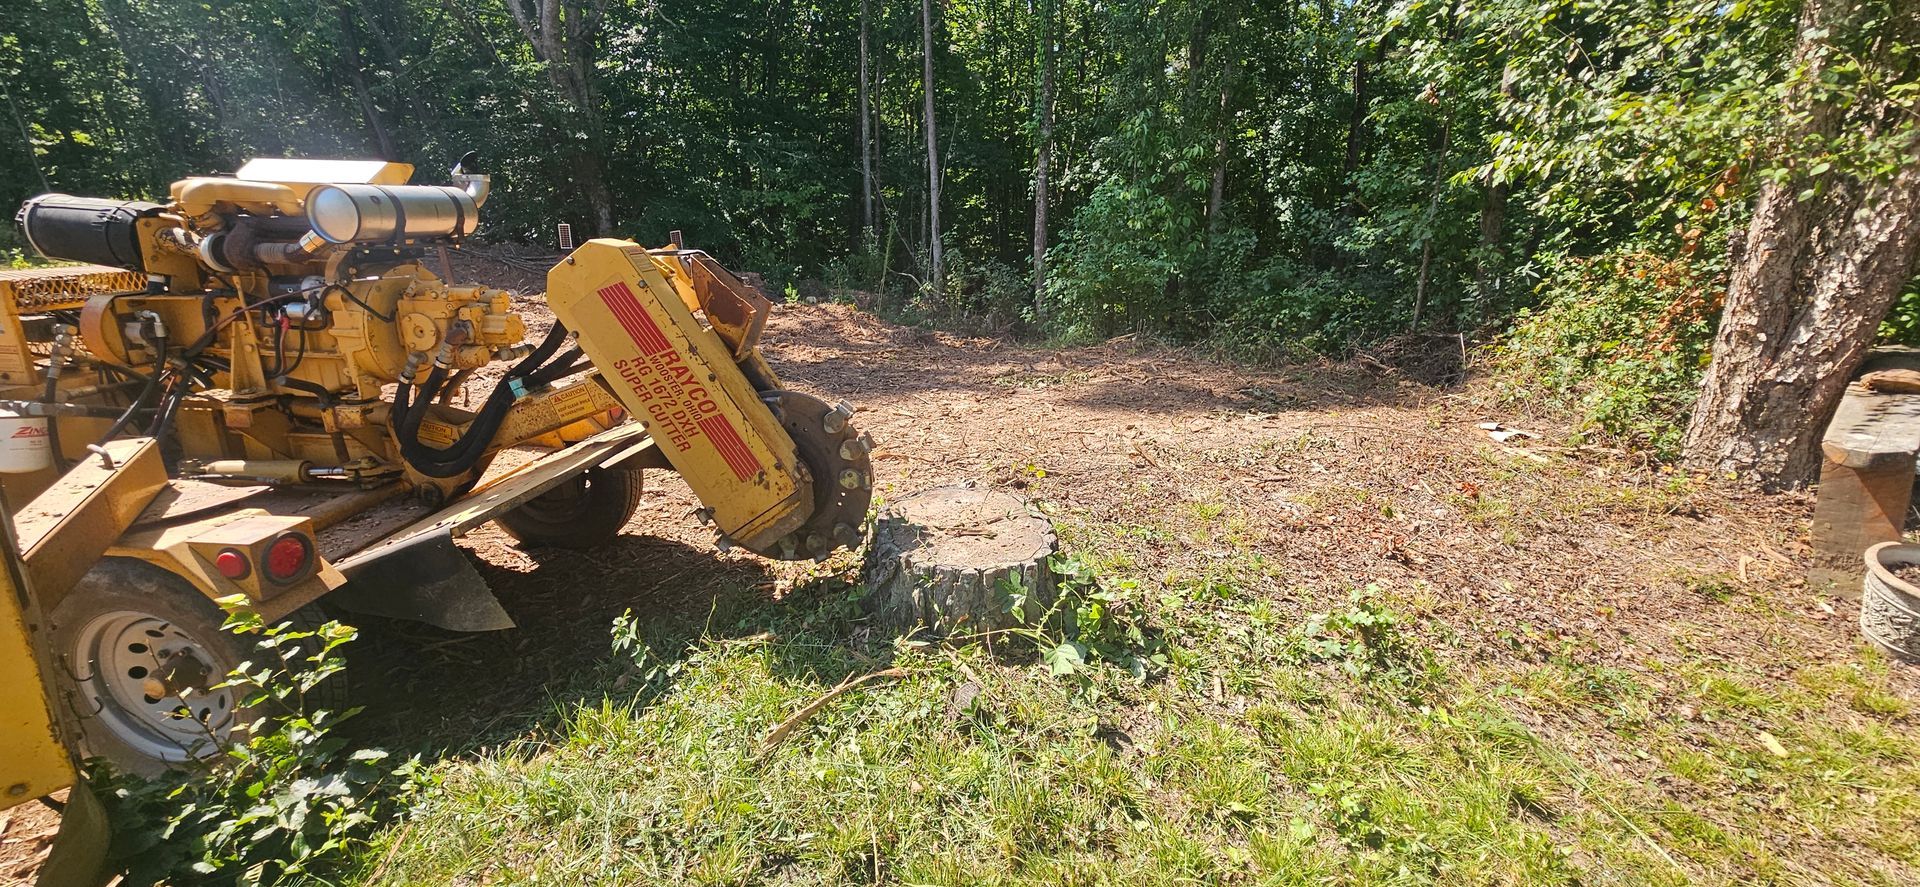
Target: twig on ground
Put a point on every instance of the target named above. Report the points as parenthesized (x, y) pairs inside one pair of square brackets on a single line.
[(800, 717), (392, 851)]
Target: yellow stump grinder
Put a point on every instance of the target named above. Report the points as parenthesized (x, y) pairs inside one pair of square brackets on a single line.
[(262, 387)]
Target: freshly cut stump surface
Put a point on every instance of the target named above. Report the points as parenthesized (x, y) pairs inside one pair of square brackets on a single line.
[(941, 559)]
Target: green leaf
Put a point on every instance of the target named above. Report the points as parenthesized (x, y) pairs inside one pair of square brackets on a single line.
[(1066, 659)]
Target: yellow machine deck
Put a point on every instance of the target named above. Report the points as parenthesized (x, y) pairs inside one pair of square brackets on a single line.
[(286, 360)]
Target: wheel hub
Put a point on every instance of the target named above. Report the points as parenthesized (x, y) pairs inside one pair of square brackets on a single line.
[(835, 454), (152, 686)]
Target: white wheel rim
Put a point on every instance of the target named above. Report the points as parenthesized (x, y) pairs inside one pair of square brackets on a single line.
[(119, 657)]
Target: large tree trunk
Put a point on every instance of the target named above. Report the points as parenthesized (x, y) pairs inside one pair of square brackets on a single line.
[(1817, 276), (938, 271), (562, 34), (866, 138), (1043, 158), (1493, 225), (1217, 188)]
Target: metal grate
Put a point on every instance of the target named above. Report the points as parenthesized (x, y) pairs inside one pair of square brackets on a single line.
[(33, 290)]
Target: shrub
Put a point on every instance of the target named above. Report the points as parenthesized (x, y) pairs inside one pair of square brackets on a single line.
[(1089, 622), (982, 294), (1622, 339), (287, 801)]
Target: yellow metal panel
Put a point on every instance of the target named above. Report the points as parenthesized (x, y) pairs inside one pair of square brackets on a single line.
[(32, 760), (65, 529), (515, 487), (678, 379)]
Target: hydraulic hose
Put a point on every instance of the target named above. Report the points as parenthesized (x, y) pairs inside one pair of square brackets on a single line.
[(410, 409), (51, 397), (153, 382)]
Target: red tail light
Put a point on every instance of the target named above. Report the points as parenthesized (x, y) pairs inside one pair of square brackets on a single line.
[(233, 564), (289, 557)]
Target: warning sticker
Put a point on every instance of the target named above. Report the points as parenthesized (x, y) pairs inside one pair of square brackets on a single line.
[(437, 434), (678, 403), (573, 403)]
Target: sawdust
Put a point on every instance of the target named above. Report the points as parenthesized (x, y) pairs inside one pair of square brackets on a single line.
[(1341, 476), (26, 835)]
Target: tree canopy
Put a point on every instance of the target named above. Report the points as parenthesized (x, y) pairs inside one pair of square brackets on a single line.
[(1275, 175)]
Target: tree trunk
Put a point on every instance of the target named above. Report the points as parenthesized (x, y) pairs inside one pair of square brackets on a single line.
[(1356, 123), (1433, 214), (1217, 189), (562, 34), (356, 75), (950, 559), (1493, 225), (938, 272), (866, 137), (1816, 277), (1493, 219), (1043, 159)]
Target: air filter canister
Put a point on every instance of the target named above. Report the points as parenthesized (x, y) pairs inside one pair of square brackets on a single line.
[(85, 229)]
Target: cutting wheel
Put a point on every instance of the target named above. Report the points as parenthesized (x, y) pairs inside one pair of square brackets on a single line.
[(836, 455)]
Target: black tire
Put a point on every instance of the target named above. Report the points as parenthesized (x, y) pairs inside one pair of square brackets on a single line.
[(584, 511), (116, 606)]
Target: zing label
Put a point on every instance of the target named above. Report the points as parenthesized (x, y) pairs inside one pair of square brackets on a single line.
[(678, 404)]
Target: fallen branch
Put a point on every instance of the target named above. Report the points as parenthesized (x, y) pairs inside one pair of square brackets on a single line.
[(800, 717)]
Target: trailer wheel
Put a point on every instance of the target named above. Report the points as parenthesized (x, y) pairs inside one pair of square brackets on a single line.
[(585, 511), (140, 651)]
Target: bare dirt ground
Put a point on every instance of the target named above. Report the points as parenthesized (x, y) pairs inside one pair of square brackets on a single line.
[(26, 834), (1296, 485), (1336, 476)]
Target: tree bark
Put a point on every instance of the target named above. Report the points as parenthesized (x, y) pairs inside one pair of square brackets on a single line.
[(1043, 159), (1493, 217), (938, 271), (866, 137), (1217, 189), (1816, 278), (1356, 123), (561, 33), (949, 559)]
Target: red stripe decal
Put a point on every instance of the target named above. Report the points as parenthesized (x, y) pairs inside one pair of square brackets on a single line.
[(639, 325), (731, 447)]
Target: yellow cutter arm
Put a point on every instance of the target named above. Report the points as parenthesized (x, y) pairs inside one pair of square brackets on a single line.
[(781, 473)]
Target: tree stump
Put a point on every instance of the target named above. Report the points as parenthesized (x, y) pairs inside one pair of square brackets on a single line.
[(942, 558)]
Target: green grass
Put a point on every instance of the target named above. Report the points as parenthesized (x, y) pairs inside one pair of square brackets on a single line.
[(1362, 744)]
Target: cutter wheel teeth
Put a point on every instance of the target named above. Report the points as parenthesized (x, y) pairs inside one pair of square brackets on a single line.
[(835, 456)]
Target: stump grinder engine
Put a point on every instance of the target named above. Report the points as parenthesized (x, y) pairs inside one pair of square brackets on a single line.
[(303, 386)]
